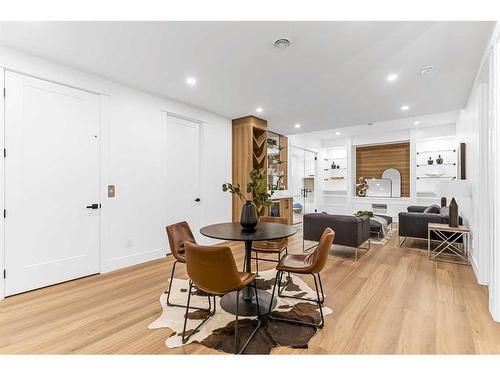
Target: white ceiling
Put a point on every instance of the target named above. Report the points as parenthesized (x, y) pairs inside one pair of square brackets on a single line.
[(332, 76)]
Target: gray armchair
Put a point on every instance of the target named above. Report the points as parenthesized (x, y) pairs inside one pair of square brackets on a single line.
[(349, 230), (414, 223)]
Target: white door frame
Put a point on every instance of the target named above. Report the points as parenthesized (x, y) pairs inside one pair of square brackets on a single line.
[(202, 170), (2, 184), (103, 129)]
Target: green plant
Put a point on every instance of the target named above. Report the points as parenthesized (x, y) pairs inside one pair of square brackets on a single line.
[(361, 213), (256, 187)]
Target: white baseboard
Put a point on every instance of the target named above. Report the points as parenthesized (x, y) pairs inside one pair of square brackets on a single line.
[(112, 264), (475, 268)]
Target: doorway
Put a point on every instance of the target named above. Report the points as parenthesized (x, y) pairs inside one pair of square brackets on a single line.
[(302, 182), (51, 183), (183, 171)]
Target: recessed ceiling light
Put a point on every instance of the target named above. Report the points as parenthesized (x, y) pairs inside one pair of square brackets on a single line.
[(392, 77), (337, 133), (405, 107), (297, 125), (416, 122), (259, 110), (191, 81), (426, 70)]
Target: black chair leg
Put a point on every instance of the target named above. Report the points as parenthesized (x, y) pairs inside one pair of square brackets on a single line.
[(321, 287), (278, 277), (322, 322), (236, 323), (209, 315), (170, 284), (170, 289)]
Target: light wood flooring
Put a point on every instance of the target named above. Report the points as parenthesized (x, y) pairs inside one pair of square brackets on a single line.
[(393, 300)]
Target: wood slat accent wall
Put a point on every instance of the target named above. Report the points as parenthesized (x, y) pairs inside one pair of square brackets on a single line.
[(371, 161)]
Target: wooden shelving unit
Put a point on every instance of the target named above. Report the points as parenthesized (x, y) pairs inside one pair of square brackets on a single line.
[(249, 152), (252, 151), (277, 161)]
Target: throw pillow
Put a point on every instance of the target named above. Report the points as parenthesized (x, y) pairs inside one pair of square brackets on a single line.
[(432, 209)]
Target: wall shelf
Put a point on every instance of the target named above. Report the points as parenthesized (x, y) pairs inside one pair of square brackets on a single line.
[(434, 165), (436, 151), (432, 177)]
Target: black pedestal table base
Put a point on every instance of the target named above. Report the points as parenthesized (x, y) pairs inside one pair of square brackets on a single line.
[(247, 307)]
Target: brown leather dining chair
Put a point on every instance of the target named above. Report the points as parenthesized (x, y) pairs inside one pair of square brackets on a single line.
[(212, 269), (178, 234), (270, 246), (309, 263)]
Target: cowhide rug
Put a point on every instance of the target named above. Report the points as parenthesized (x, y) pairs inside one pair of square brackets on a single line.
[(218, 331)]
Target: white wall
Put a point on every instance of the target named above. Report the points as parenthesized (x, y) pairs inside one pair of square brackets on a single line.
[(468, 129), (133, 158)]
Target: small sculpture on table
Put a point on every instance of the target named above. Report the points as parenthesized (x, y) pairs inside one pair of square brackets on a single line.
[(361, 187)]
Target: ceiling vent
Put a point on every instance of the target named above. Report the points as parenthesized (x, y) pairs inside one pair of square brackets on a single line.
[(282, 44), (426, 70)]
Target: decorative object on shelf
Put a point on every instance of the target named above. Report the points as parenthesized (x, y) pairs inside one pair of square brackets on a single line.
[(443, 201), (361, 187), (338, 166), (257, 187), (461, 162), (333, 165), (439, 160), (337, 178), (272, 142), (362, 213), (453, 213), (430, 161), (435, 174)]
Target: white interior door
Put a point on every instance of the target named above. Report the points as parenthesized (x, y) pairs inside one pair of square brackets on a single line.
[(51, 176), (183, 171)]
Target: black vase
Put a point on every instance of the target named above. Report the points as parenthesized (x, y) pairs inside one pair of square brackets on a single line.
[(430, 161), (453, 213), (439, 160), (249, 219)]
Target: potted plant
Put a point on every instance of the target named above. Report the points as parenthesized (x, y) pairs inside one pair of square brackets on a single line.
[(257, 189), (362, 213)]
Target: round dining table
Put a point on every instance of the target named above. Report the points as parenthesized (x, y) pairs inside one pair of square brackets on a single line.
[(247, 305)]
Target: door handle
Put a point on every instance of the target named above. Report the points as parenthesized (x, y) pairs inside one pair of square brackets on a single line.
[(94, 206), (197, 200)]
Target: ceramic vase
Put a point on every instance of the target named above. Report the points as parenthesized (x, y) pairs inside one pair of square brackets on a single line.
[(249, 218)]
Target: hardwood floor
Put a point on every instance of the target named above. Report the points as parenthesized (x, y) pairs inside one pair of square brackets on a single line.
[(393, 300)]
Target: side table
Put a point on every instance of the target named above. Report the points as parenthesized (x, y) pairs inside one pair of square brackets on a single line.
[(454, 246)]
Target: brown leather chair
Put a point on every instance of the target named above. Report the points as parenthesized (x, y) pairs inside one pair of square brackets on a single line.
[(271, 246), (308, 263), (178, 234), (213, 270)]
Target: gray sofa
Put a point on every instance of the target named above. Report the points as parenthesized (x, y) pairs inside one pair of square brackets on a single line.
[(414, 222), (349, 230)]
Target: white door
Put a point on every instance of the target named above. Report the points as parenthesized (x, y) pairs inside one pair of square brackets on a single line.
[(183, 172), (51, 176)]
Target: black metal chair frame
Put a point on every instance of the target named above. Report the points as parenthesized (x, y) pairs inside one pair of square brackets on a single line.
[(211, 313), (319, 301), (167, 292), (256, 258)]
